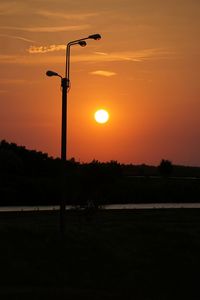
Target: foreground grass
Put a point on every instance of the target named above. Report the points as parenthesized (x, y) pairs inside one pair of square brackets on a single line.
[(145, 254)]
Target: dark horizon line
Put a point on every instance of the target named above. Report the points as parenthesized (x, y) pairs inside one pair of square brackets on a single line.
[(96, 160)]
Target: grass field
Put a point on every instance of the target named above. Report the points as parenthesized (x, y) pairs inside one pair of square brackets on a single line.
[(143, 254)]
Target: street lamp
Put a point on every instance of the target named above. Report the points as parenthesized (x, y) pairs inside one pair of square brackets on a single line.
[(65, 84)]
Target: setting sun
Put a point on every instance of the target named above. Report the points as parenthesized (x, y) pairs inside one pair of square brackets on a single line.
[(101, 116), (134, 93)]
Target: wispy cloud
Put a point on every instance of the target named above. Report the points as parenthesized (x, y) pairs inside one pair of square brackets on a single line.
[(17, 38), (132, 56), (71, 16), (47, 28), (103, 73), (135, 56), (101, 53), (44, 49), (6, 58), (3, 91), (120, 56), (7, 8), (12, 81), (29, 59)]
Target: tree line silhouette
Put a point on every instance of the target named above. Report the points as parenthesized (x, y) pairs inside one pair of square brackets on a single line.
[(30, 177)]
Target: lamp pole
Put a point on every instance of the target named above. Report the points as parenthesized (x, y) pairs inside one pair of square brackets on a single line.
[(65, 84)]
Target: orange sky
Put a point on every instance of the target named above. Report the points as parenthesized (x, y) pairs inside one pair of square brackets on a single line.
[(149, 58)]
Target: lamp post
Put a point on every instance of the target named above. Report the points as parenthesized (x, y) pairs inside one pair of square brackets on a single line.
[(65, 84)]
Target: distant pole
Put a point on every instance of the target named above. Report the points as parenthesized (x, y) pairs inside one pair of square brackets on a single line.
[(65, 84)]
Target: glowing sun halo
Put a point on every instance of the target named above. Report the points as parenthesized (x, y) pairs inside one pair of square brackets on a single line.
[(101, 116)]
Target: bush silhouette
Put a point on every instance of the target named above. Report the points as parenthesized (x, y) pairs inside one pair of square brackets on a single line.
[(165, 168)]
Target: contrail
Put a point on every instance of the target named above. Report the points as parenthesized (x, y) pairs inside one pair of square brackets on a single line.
[(17, 38)]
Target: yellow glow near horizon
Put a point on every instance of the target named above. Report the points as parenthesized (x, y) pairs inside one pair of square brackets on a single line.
[(101, 116)]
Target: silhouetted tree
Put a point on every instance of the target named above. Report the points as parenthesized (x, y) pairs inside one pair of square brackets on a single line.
[(165, 168)]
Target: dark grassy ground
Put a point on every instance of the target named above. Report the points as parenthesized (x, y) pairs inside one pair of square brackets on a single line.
[(145, 254)]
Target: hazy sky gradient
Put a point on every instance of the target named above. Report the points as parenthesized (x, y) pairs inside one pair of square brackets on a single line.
[(144, 70)]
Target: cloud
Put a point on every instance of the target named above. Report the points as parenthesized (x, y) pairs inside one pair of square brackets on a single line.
[(30, 59), (17, 38), (134, 56), (71, 16), (47, 28), (12, 81), (45, 49), (103, 73), (3, 91), (101, 53), (4, 59), (131, 56), (7, 8)]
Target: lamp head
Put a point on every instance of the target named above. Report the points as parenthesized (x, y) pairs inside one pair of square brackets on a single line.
[(94, 36), (82, 43), (51, 73)]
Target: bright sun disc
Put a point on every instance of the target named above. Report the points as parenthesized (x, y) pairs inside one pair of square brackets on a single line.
[(101, 116)]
